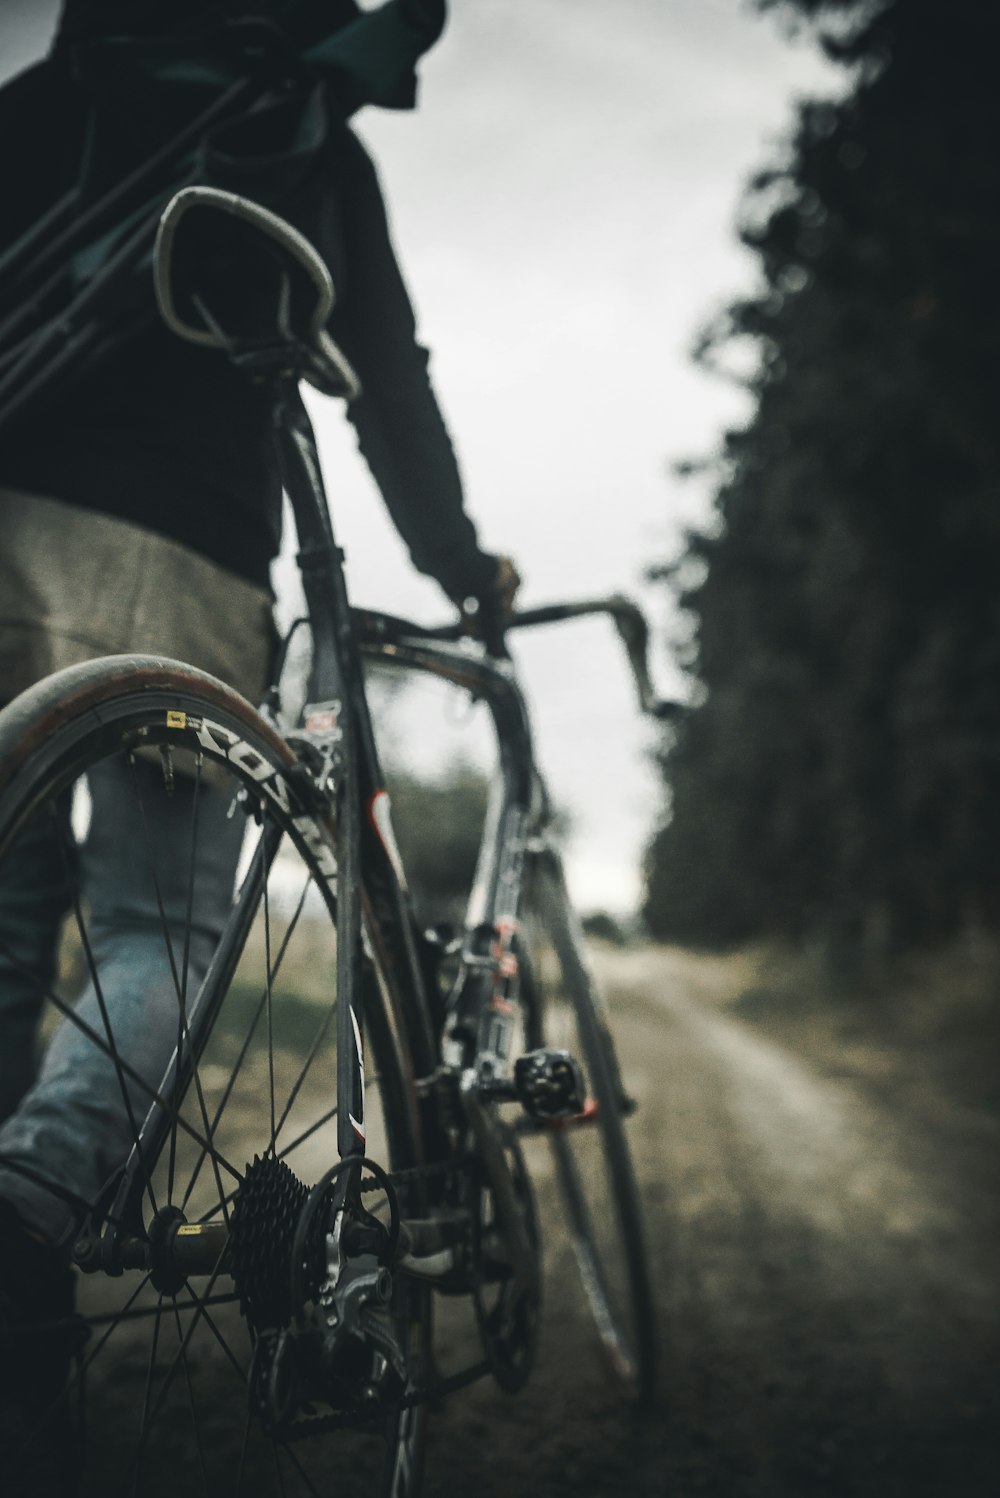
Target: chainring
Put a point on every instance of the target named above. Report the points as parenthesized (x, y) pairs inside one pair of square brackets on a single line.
[(508, 1315)]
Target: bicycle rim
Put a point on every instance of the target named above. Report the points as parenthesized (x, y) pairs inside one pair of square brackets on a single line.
[(590, 1156), (166, 1369)]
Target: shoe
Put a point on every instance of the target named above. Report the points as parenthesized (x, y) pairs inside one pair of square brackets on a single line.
[(39, 1334)]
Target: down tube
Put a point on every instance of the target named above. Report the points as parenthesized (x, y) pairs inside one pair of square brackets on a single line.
[(517, 791), (516, 797)]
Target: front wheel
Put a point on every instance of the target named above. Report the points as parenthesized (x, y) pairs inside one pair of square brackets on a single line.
[(159, 837), (591, 1157)]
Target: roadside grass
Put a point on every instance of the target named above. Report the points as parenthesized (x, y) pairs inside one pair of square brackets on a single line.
[(934, 1011), (931, 1014)]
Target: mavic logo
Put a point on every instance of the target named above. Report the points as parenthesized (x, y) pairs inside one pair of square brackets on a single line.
[(217, 741)]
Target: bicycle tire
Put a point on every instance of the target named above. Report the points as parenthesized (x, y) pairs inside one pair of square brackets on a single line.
[(270, 1032), (591, 1155)]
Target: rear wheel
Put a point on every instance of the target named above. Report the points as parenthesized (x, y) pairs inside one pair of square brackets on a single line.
[(591, 1158), (188, 1096)]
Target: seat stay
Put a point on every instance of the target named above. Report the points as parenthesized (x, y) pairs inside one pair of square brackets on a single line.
[(370, 873)]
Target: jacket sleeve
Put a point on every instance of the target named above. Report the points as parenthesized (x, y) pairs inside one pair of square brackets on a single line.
[(42, 125), (399, 425)]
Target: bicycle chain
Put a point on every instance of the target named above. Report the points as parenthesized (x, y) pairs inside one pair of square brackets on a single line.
[(329, 1425), (418, 1173)]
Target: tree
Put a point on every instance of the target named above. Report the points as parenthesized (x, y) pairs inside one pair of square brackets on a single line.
[(842, 764), (439, 823)]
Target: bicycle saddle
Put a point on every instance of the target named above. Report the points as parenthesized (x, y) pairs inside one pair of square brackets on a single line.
[(230, 274)]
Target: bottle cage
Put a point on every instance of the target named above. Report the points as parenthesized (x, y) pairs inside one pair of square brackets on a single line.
[(230, 274)]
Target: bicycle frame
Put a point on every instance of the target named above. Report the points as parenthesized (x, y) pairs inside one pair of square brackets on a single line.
[(337, 697), (482, 1007), (373, 907), (341, 1314)]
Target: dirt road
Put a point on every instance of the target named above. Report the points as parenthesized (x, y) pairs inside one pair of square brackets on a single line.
[(823, 1215)]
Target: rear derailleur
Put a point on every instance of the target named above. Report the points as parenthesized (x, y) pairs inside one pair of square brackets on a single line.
[(313, 1273)]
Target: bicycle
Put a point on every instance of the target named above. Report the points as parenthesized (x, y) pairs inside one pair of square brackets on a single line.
[(405, 1076)]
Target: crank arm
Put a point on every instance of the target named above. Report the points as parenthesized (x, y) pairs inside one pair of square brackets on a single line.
[(490, 1152)]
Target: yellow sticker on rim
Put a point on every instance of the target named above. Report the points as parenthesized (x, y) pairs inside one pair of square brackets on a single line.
[(177, 720)]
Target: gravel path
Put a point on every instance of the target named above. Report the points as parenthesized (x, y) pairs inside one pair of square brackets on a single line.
[(822, 1215), (824, 1223)]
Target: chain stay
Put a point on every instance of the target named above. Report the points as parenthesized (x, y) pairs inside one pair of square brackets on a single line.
[(325, 1425)]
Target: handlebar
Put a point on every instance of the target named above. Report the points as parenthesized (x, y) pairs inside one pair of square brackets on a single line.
[(633, 631), (627, 617)]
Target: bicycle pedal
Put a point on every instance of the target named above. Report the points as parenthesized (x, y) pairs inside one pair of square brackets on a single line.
[(549, 1084)]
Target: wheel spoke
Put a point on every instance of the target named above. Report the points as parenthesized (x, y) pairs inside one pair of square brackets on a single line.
[(113, 1324), (313, 1128), (153, 1093), (111, 1050), (245, 1047), (191, 1403), (185, 968), (244, 1448), (270, 1000), (147, 1313), (77, 1378), (277, 1469), (300, 1079), (196, 1318), (302, 1472), (178, 989), (147, 1395), (210, 1321)]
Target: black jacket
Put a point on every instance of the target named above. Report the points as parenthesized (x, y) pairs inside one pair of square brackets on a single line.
[(170, 435)]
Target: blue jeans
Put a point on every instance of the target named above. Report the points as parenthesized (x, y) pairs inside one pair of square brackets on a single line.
[(70, 1122)]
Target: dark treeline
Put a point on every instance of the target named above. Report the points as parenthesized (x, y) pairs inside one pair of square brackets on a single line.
[(841, 767)]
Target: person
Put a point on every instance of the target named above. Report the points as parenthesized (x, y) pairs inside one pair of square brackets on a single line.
[(141, 511)]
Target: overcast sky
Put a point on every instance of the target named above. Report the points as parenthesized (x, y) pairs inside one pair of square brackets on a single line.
[(564, 204)]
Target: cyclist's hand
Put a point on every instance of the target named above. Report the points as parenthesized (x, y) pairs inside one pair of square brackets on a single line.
[(485, 614), (508, 580)]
